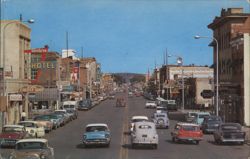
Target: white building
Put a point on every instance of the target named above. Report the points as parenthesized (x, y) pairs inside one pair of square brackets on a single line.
[(69, 53)]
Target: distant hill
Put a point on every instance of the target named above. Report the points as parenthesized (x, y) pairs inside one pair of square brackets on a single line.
[(126, 77)]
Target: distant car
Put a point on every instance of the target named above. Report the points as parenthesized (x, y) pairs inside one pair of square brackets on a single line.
[(120, 102), (211, 124), (161, 120), (33, 128), (144, 134), (63, 112), (200, 117), (72, 113), (96, 134), (150, 104), (85, 104), (187, 132), (130, 94), (190, 116), (160, 109), (33, 149), (69, 105), (229, 133), (11, 134), (136, 119)]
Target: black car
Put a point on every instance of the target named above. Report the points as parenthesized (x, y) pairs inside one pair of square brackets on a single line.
[(85, 104), (210, 124), (229, 133)]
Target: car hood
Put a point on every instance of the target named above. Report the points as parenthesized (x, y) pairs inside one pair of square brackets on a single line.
[(29, 153), (94, 135), (13, 135)]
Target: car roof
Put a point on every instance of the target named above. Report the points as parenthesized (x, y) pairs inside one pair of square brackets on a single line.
[(28, 121), (20, 126), (97, 124), (32, 140), (187, 124), (139, 117), (145, 123)]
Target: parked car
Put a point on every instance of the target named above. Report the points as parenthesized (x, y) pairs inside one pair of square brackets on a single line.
[(161, 120), (56, 119), (200, 117), (33, 128), (61, 117), (144, 134), (45, 122), (160, 109), (211, 124), (11, 134), (120, 102), (64, 113), (190, 116), (85, 104), (150, 104), (32, 148), (187, 132), (229, 133), (136, 119), (72, 113), (96, 134)]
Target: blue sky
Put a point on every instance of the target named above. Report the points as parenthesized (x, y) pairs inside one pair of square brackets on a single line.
[(124, 35)]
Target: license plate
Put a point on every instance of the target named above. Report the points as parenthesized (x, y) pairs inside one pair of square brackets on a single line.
[(144, 135)]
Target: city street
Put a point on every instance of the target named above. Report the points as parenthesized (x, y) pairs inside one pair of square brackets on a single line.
[(66, 141)]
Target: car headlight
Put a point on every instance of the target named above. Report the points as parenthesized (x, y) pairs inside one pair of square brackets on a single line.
[(42, 156), (107, 136)]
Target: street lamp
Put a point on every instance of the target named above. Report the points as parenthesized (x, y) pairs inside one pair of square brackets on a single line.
[(180, 63), (217, 69), (30, 21)]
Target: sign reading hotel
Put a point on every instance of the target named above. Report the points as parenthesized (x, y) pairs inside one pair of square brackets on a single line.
[(43, 65)]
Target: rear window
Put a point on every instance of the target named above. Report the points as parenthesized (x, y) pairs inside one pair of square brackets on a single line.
[(203, 115), (161, 116), (96, 128), (69, 106), (230, 127), (190, 128), (138, 120)]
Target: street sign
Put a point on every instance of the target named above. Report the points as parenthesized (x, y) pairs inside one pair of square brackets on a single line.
[(15, 97), (31, 89), (207, 93)]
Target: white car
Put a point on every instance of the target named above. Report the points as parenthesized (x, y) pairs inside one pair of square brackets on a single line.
[(144, 134), (160, 109), (151, 104), (33, 128), (135, 119)]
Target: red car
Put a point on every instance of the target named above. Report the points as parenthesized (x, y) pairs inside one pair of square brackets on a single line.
[(11, 134), (187, 132)]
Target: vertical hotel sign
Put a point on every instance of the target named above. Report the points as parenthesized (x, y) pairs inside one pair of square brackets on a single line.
[(42, 52)]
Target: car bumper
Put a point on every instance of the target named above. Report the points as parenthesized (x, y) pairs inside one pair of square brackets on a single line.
[(233, 140), (96, 142), (189, 138), (161, 125), (8, 143)]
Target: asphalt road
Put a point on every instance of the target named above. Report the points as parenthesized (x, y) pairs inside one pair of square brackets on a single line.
[(66, 140)]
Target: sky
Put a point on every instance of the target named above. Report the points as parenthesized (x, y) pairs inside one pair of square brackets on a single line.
[(124, 35)]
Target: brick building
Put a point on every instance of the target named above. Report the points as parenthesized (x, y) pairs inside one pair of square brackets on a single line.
[(231, 29)]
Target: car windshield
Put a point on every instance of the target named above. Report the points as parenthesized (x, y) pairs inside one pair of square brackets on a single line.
[(27, 124), (203, 115), (96, 128), (44, 117), (68, 106), (213, 119), (12, 129), (30, 145)]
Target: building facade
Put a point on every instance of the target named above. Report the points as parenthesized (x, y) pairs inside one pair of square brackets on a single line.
[(231, 29)]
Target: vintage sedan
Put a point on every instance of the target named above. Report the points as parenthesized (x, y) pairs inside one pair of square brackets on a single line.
[(135, 119), (144, 134), (211, 124), (229, 133), (150, 104), (32, 148), (33, 128), (187, 132), (96, 134), (11, 134), (45, 122), (161, 120), (199, 118)]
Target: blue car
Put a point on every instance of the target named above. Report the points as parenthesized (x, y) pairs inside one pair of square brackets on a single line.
[(96, 134)]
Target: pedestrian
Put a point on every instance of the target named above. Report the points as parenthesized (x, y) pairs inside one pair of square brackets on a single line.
[(23, 116)]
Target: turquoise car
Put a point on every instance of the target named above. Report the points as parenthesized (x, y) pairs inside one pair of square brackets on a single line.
[(96, 134), (199, 118)]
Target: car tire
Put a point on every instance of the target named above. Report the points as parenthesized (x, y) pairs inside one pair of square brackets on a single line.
[(155, 146), (197, 142), (173, 139)]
